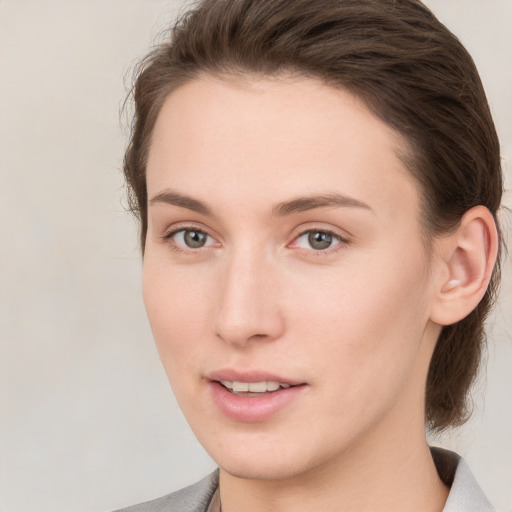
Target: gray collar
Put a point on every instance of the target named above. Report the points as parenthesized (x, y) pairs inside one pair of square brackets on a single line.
[(465, 493)]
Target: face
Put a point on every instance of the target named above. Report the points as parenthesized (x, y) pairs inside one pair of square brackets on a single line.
[(285, 275)]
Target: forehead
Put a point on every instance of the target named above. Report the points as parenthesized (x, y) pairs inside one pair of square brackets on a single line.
[(275, 137)]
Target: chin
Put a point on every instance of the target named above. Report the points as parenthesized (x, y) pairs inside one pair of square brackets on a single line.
[(262, 470), (274, 459)]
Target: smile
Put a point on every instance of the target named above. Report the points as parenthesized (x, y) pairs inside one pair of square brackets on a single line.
[(253, 398), (253, 389)]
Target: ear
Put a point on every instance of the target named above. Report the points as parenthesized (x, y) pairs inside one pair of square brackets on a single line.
[(465, 261)]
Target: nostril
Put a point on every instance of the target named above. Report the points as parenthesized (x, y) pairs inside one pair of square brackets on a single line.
[(257, 336)]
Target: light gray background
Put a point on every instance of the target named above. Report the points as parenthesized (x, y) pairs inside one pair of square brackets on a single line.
[(87, 418)]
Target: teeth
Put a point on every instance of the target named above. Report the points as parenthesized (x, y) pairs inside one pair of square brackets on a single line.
[(253, 387), (240, 387), (271, 386)]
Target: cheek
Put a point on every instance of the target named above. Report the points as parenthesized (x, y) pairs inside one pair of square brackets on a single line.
[(366, 291), (177, 306), (366, 322)]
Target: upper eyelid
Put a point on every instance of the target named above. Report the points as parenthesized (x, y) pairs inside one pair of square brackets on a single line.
[(173, 231), (187, 226), (342, 234), (317, 230), (340, 238)]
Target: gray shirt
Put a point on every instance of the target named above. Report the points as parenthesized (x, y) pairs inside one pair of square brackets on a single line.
[(465, 493)]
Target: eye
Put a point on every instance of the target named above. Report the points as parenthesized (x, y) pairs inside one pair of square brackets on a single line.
[(317, 240), (190, 238)]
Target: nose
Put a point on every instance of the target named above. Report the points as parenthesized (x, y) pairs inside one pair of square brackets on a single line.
[(248, 307)]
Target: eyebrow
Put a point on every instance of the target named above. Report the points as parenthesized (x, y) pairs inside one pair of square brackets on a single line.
[(303, 204), (169, 197), (298, 205)]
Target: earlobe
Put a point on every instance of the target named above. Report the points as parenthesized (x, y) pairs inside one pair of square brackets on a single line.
[(467, 257)]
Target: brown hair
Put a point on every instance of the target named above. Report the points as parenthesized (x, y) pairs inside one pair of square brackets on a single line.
[(412, 73)]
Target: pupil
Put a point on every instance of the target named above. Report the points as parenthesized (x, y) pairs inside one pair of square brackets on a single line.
[(319, 240), (195, 239)]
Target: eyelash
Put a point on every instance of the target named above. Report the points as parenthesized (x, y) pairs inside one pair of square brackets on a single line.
[(169, 238), (340, 245)]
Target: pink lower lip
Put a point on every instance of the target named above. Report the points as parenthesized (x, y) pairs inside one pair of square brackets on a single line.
[(255, 408)]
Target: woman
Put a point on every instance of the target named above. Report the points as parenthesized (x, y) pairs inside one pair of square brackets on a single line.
[(317, 185)]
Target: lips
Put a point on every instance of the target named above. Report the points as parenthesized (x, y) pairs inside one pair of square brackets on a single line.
[(252, 397)]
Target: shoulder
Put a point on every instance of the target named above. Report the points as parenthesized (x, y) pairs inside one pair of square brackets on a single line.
[(465, 493), (194, 498)]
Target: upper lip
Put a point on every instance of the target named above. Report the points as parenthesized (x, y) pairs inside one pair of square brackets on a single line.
[(250, 376)]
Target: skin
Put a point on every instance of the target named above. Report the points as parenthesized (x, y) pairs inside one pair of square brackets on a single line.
[(352, 322)]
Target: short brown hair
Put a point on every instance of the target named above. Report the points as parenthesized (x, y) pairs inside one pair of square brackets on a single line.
[(411, 72)]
